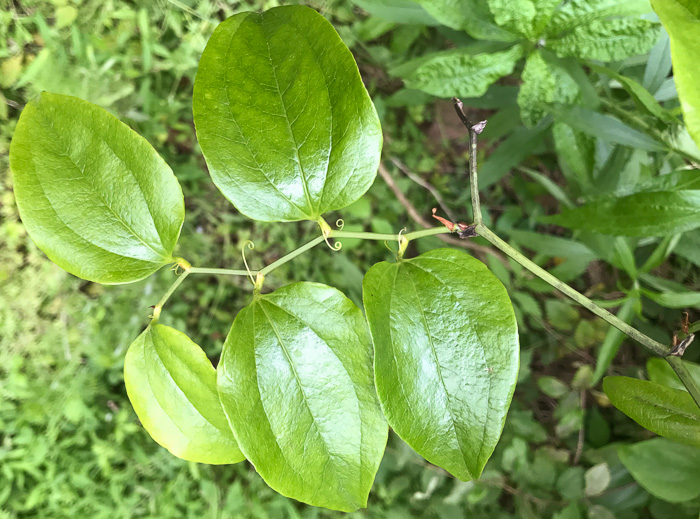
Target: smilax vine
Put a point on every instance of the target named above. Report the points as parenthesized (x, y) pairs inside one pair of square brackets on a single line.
[(307, 384)]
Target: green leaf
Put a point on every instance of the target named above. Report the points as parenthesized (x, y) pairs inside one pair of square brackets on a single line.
[(661, 372), (172, 386), (511, 152), (613, 340), (544, 83), (675, 299), (576, 13), (664, 411), (296, 383), (681, 18), (526, 17), (608, 40), (605, 127), (642, 214), (92, 193), (576, 154), (641, 96), (446, 355), (399, 11), (666, 469), (285, 124), (472, 16), (461, 73)]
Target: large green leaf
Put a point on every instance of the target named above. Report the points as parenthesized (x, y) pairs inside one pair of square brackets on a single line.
[(642, 214), (608, 40), (92, 193), (172, 386), (472, 16), (285, 124), (296, 383), (667, 412), (446, 355), (681, 18), (544, 83), (462, 73), (666, 469)]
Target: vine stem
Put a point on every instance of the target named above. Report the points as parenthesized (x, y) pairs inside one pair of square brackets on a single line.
[(159, 305), (656, 347), (565, 289)]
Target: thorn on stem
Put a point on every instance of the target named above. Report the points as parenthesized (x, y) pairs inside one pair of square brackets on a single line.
[(443, 221)]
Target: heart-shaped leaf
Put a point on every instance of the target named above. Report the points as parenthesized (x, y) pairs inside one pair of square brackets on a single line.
[(285, 124), (446, 355), (172, 386), (296, 383), (92, 193)]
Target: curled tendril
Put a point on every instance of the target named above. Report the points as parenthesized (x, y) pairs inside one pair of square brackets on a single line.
[(335, 247), (386, 244), (340, 223), (251, 246)]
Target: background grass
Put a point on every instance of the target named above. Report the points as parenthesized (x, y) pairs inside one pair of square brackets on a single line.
[(70, 444)]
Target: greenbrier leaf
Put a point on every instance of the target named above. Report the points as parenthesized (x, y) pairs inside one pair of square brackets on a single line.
[(641, 214), (667, 412), (296, 383), (576, 13), (544, 83), (608, 40), (446, 355), (472, 16), (285, 124), (461, 73), (681, 18), (666, 469), (92, 193), (172, 386)]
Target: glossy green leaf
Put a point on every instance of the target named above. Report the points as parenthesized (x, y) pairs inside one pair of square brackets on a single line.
[(661, 372), (92, 193), (296, 383), (446, 355), (642, 214), (285, 124), (608, 40), (681, 18), (544, 83), (172, 386), (463, 74), (666, 469), (473, 16), (667, 412)]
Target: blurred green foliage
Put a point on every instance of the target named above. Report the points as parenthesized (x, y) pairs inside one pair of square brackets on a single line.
[(70, 444)]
